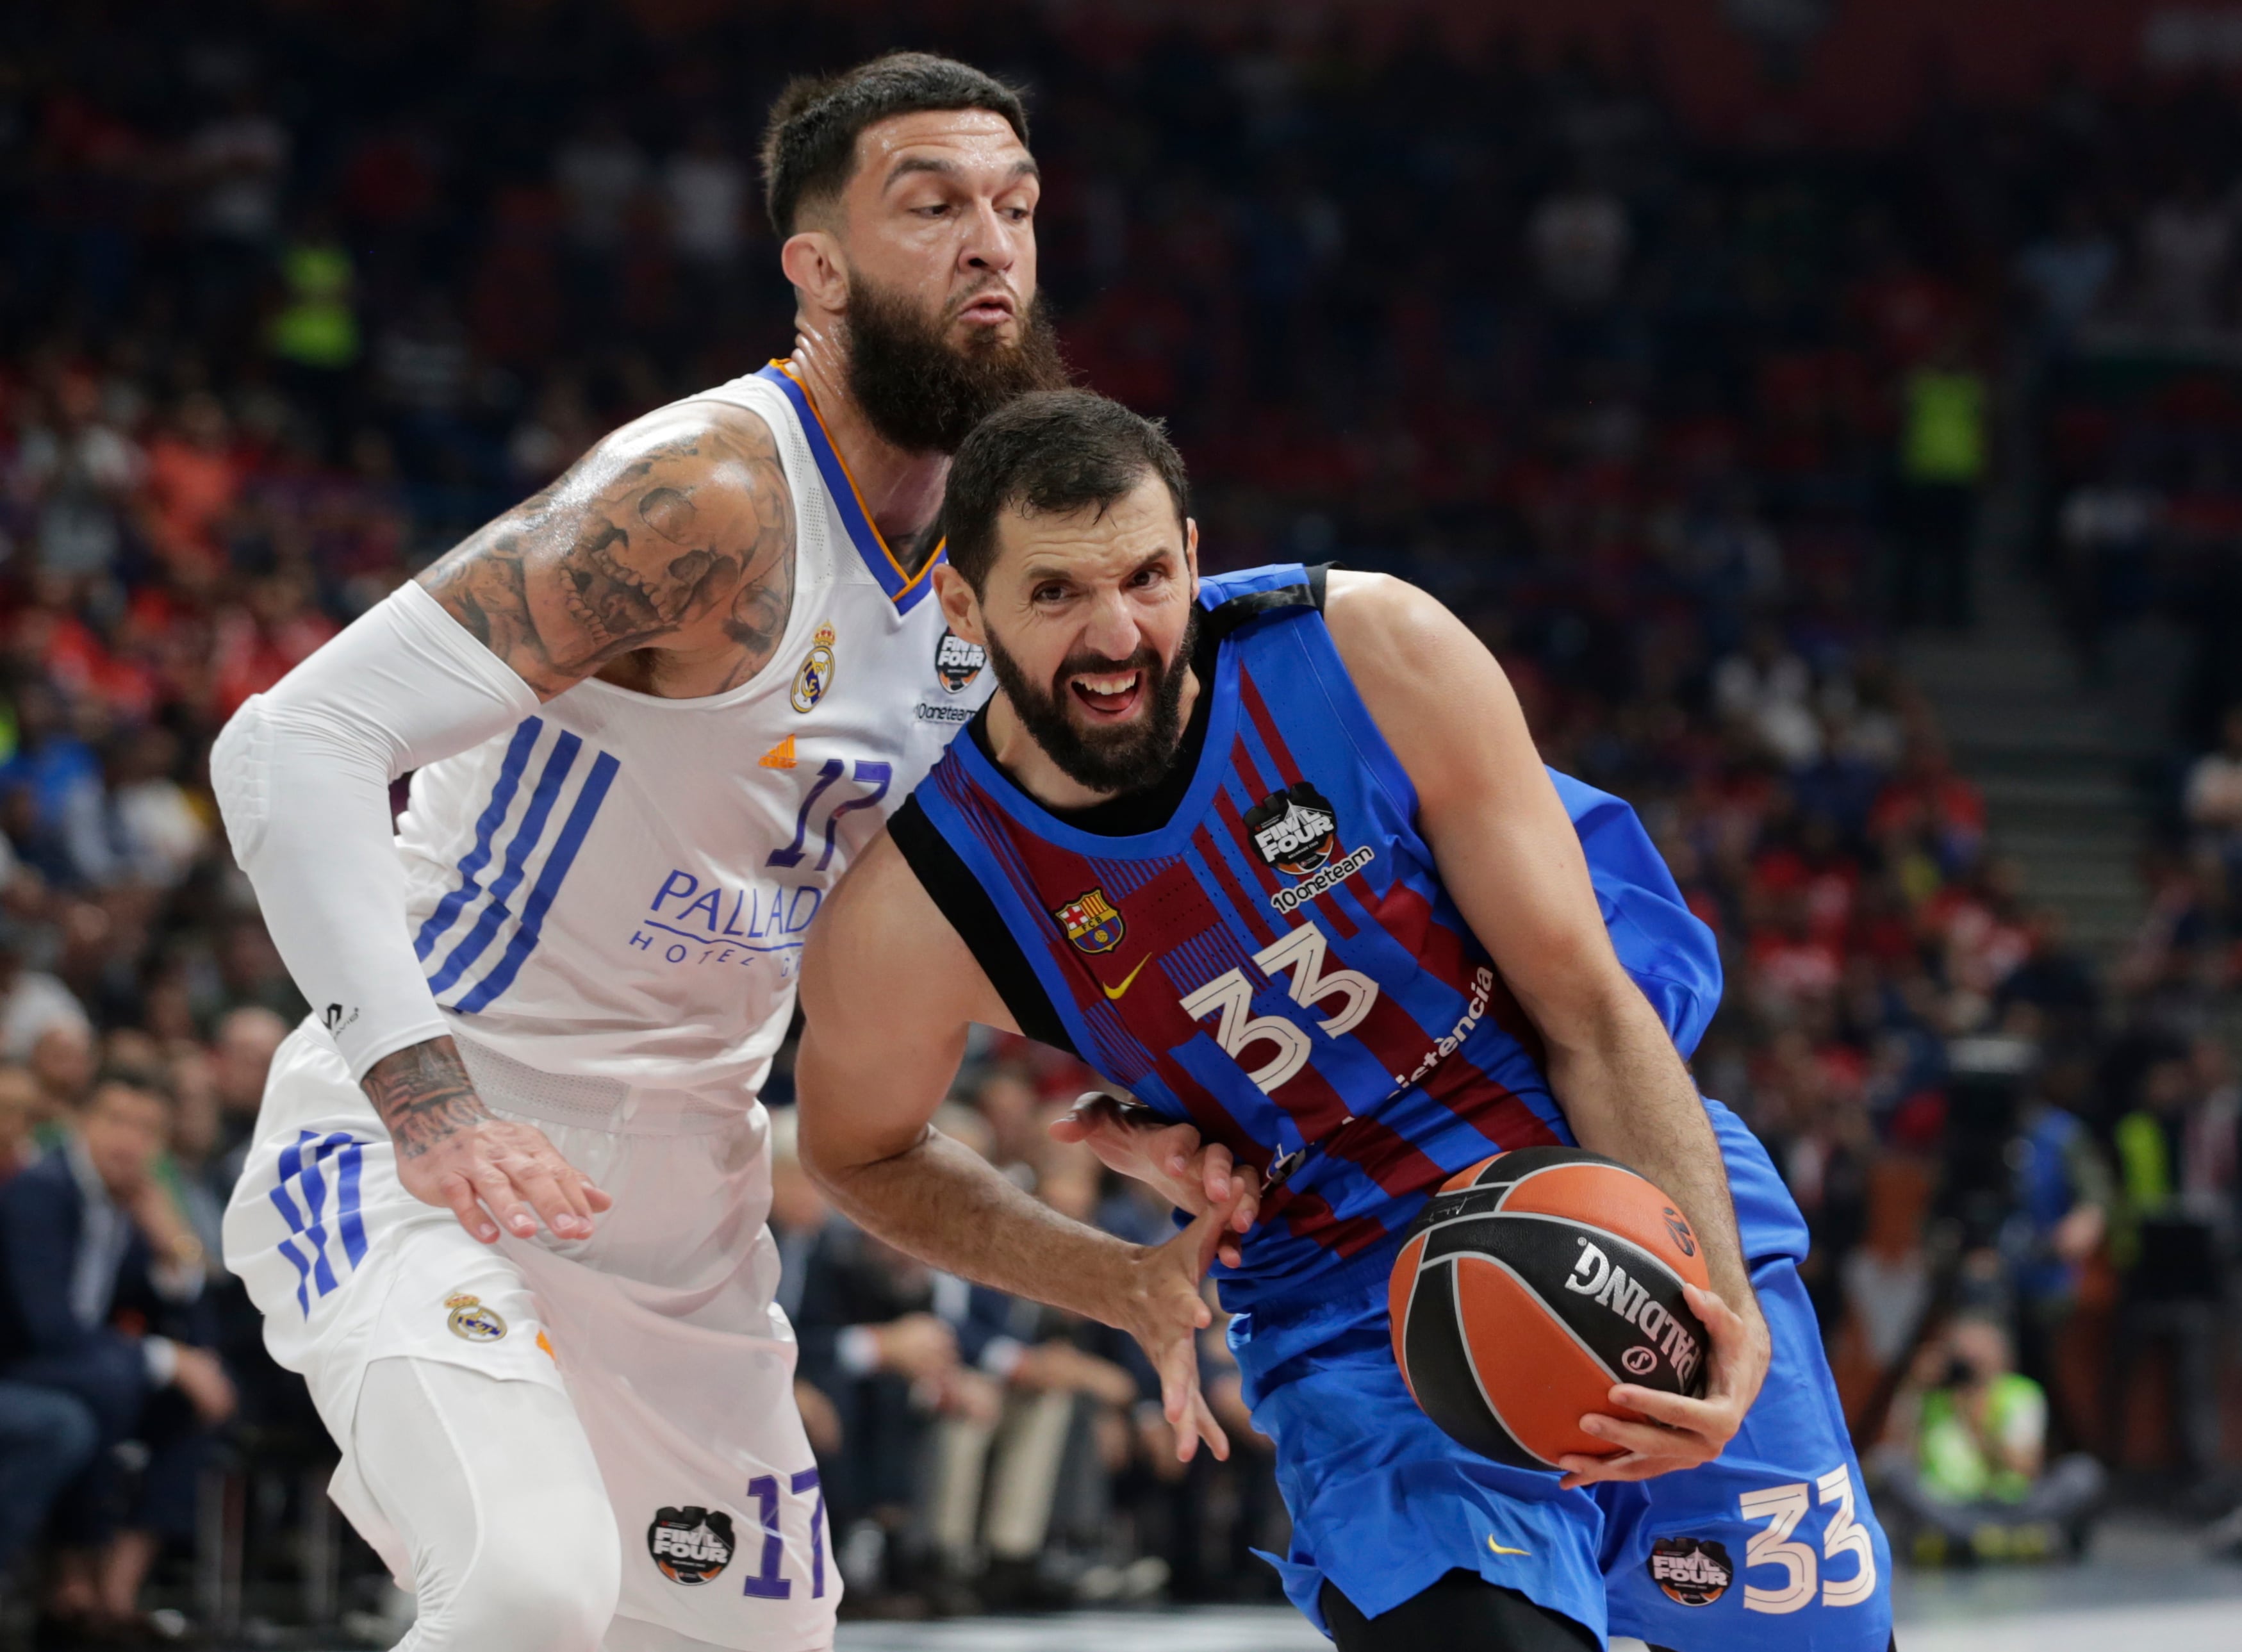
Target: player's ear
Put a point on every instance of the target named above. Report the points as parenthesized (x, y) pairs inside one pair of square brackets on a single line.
[(960, 610), (811, 259), (1191, 552)]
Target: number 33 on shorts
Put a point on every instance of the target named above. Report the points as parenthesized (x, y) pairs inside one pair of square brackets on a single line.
[(1783, 1507)]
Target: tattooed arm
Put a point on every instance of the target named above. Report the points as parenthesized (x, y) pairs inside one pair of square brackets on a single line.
[(453, 1151), (671, 540), (664, 560)]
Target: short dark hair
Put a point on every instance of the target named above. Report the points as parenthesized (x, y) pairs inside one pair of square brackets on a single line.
[(128, 1076), (1051, 452), (809, 142)]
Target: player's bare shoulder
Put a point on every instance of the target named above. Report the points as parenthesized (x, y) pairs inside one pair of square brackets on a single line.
[(880, 939), (674, 532), (1432, 686), (1381, 625)]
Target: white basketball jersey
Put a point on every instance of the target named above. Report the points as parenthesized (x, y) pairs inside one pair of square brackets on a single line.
[(622, 885)]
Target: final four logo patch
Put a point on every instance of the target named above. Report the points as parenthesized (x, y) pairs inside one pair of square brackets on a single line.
[(1090, 921), (958, 661), (817, 673), (1694, 1571), (692, 1544), (1296, 831)]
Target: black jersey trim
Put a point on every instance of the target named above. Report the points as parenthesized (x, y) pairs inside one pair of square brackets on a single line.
[(952, 887), (1225, 617)]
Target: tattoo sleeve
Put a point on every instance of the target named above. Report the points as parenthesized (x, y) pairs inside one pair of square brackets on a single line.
[(678, 526), (424, 1095)]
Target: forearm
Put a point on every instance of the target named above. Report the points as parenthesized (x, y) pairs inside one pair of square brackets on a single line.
[(950, 1208), (1627, 1094), (423, 1095), (302, 776)]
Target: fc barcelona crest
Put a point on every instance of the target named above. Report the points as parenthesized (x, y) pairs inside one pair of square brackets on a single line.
[(1090, 921)]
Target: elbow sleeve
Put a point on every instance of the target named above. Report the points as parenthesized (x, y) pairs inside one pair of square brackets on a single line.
[(302, 776)]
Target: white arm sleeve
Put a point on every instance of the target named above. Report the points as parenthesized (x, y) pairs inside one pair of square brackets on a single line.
[(302, 776)]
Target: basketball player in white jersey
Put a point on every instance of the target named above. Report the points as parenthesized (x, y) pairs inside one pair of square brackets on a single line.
[(506, 1209)]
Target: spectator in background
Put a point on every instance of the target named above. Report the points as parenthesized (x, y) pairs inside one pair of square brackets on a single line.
[(154, 829), (885, 1364), (798, 1215), (32, 1002), (63, 1062), (2054, 983), (2212, 800), (1973, 1474), (1007, 1100), (1579, 239), (2186, 241), (21, 1114), (79, 471), (193, 480), (2064, 1193), (1946, 454), (238, 163), (314, 332), (241, 1053), (47, 1440), (2175, 1163), (705, 189), (1767, 689), (101, 1281), (601, 173), (2069, 271), (50, 790)]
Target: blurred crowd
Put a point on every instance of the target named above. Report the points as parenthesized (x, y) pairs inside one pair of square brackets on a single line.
[(293, 297)]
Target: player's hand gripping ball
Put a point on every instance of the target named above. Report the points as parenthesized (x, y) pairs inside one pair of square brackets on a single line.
[(1531, 1284)]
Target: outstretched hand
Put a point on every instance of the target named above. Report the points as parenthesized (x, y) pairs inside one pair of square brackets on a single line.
[(1166, 1313), (1194, 1175), (510, 1170), (1679, 1432), (453, 1151)]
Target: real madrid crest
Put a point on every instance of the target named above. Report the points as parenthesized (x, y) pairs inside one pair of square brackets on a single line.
[(471, 1322), (817, 673)]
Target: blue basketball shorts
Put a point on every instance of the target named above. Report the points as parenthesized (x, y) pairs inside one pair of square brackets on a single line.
[(1773, 1546)]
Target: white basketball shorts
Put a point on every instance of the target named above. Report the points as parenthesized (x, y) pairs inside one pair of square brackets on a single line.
[(660, 1328)]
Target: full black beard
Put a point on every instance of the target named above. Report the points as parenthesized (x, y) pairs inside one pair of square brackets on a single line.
[(922, 393), (1123, 759)]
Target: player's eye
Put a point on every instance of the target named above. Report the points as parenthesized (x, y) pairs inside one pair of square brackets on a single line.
[(1049, 593)]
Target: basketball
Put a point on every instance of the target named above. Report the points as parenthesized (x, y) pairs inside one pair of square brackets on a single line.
[(1532, 1283)]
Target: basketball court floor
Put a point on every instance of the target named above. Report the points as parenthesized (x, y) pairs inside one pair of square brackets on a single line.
[(2147, 1589)]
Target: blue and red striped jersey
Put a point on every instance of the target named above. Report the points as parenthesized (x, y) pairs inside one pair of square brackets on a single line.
[(1278, 962)]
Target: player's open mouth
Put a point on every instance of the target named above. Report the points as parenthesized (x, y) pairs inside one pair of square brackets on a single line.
[(1109, 694), (992, 310)]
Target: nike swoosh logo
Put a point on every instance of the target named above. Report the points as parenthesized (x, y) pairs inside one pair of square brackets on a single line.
[(1115, 992), (1500, 1549)]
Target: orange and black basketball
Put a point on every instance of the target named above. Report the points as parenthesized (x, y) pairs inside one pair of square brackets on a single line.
[(1531, 1284)]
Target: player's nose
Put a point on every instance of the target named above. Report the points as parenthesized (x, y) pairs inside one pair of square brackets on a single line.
[(991, 242), (1112, 630)]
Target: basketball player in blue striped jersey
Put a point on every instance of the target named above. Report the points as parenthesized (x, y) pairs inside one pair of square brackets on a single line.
[(1275, 855), (506, 1210)]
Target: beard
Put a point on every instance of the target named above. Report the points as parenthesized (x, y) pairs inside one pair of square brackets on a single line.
[(1121, 757), (922, 393)]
